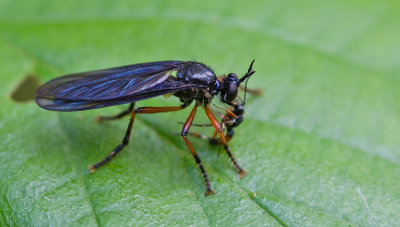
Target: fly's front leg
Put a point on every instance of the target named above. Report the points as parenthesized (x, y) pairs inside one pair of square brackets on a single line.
[(101, 118), (125, 141), (222, 138)]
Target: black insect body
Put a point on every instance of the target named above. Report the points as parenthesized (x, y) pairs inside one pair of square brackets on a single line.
[(194, 82)]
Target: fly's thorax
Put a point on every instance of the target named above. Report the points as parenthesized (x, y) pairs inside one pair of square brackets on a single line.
[(194, 72), (203, 77)]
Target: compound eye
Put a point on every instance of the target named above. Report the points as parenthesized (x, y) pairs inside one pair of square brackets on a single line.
[(231, 93)]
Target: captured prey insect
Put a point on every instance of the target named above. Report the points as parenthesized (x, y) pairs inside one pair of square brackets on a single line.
[(194, 82), (232, 119)]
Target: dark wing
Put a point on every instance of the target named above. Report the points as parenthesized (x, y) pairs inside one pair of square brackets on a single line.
[(101, 88)]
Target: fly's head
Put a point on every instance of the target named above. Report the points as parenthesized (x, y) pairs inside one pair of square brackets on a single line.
[(229, 86)]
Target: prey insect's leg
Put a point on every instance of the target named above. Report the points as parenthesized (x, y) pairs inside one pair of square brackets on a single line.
[(185, 131), (213, 140), (222, 138), (101, 118), (125, 141), (199, 135)]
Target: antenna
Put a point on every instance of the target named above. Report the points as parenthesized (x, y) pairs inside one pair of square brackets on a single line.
[(247, 77), (249, 73), (245, 91)]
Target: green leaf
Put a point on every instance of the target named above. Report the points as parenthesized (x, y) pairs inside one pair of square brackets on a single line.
[(321, 145)]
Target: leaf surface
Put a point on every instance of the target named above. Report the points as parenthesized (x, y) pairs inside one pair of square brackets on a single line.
[(321, 145)]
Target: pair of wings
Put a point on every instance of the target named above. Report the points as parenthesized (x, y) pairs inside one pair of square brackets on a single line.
[(108, 87)]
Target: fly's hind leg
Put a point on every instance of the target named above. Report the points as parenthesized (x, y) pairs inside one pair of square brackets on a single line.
[(125, 141), (101, 118)]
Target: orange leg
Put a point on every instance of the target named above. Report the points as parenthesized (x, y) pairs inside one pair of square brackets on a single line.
[(185, 131), (229, 113), (218, 127), (125, 141)]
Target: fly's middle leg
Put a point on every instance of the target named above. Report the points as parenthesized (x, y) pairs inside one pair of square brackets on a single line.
[(185, 130), (124, 113)]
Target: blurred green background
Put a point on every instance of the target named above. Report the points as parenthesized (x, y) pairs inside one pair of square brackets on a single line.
[(321, 145)]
